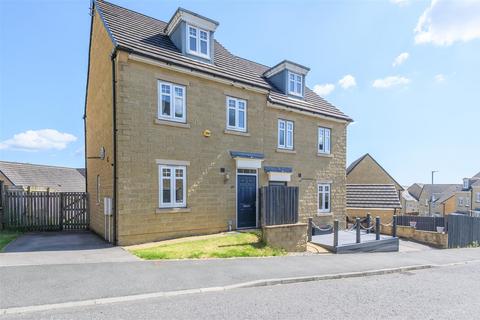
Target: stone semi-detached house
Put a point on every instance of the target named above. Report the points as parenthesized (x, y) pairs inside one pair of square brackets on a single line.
[(467, 199), (180, 133)]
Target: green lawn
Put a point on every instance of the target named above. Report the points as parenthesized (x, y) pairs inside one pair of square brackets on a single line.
[(243, 244), (6, 237)]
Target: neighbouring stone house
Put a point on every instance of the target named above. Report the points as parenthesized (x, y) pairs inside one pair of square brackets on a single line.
[(36, 177), (409, 203), (180, 133), (467, 200), (436, 199), (371, 190)]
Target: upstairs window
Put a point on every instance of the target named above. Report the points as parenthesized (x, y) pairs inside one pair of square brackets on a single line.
[(295, 84), (198, 42), (236, 114), (285, 134), (171, 102), (460, 202), (465, 184), (172, 186), (324, 140), (323, 198), (478, 196)]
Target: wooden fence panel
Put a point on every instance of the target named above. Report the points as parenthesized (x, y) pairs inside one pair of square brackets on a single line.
[(463, 230), (279, 205), (45, 211), (423, 223)]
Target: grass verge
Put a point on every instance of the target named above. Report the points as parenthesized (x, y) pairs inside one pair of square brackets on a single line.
[(241, 244), (6, 237)]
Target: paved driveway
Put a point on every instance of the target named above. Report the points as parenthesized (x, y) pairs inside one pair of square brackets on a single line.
[(38, 248)]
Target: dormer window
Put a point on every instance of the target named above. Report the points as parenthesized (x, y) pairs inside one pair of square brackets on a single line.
[(198, 42), (288, 77), (193, 35), (295, 84), (465, 184)]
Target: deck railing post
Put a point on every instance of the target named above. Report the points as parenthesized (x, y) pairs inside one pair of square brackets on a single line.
[(335, 233), (368, 223), (310, 229), (357, 224), (394, 229), (377, 228)]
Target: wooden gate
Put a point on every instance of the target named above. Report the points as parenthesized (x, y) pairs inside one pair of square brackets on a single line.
[(46, 211), (279, 205), (463, 231)]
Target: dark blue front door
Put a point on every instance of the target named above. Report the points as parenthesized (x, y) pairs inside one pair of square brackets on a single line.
[(246, 201)]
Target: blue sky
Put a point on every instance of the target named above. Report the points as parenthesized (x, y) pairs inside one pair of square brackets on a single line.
[(418, 114)]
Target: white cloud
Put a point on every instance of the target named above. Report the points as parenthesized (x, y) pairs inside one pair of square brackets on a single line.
[(347, 81), (400, 3), (402, 57), (391, 81), (323, 89), (445, 22), (440, 78), (35, 140)]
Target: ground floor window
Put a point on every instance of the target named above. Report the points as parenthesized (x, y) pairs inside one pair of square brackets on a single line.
[(323, 197), (172, 187)]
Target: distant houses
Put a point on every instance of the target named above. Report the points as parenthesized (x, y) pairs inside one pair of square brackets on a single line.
[(35, 177)]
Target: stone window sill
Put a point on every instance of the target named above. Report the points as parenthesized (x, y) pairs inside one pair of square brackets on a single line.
[(285, 151), (237, 133), (172, 123), (324, 214), (325, 155), (173, 210)]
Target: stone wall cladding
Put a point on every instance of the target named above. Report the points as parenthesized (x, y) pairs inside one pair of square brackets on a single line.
[(386, 216), (211, 200), (99, 123), (368, 172), (290, 237)]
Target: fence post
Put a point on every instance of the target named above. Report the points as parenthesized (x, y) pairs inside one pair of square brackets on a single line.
[(335, 233), (368, 223), (394, 228), (310, 229), (377, 228), (357, 223)]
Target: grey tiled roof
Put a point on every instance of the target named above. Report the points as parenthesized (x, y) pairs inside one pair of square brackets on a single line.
[(372, 196), (415, 190), (34, 175), (146, 36)]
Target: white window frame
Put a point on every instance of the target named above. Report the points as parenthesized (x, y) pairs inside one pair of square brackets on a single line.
[(297, 80), (237, 110), (288, 128), (173, 181), (324, 195), (198, 41), (478, 196), (173, 87), (465, 184), (324, 135), (460, 201), (467, 202)]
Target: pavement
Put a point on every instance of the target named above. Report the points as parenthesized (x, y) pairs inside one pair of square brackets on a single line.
[(440, 293), (45, 248)]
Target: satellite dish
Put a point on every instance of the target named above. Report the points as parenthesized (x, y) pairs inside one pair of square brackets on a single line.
[(101, 154)]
